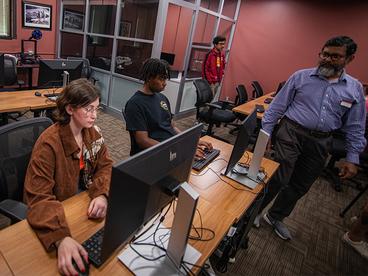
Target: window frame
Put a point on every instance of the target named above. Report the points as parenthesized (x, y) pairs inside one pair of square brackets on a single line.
[(12, 21)]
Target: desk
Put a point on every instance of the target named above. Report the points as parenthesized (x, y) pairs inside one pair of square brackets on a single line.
[(4, 269), (248, 107), (220, 206), (25, 100), (29, 68)]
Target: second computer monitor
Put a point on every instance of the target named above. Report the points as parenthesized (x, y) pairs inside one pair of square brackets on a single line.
[(52, 71), (242, 140), (145, 183)]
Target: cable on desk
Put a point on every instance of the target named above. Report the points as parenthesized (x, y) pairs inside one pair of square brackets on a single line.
[(201, 228), (153, 223), (208, 168)]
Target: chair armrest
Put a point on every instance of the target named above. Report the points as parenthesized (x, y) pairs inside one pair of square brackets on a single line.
[(211, 105), (15, 210), (227, 104)]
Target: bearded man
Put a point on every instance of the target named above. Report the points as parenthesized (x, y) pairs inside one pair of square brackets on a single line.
[(311, 105)]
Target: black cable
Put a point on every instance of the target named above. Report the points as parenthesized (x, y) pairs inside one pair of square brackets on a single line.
[(145, 231), (144, 257), (208, 168), (205, 266), (201, 228)]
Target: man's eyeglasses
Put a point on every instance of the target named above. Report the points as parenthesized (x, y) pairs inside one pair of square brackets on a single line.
[(334, 57), (90, 109)]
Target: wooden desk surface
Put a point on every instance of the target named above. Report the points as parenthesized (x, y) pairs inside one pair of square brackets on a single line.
[(233, 197), (220, 205), (25, 100), (4, 268), (248, 107)]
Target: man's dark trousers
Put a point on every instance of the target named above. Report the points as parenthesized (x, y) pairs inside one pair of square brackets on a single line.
[(302, 155)]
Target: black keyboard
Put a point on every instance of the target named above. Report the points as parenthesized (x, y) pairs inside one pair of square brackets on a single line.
[(52, 95), (209, 156), (93, 246)]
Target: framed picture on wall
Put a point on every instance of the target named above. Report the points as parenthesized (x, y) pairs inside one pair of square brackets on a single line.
[(36, 15), (73, 20), (125, 28)]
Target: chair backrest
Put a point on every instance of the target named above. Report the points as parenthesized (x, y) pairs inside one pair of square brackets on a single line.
[(257, 89), (133, 144), (242, 95), (86, 69), (281, 84), (203, 91), (16, 144), (10, 70)]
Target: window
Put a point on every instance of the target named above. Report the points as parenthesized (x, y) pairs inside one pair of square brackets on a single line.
[(99, 51), (130, 57), (7, 19), (71, 45), (138, 20), (102, 17)]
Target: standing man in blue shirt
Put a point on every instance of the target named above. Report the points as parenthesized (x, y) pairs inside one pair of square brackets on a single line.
[(313, 103)]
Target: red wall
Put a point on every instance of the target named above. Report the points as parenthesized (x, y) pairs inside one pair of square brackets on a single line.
[(275, 38), (178, 22), (46, 46)]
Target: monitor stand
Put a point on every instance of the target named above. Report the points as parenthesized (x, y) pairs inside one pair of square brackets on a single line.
[(175, 242), (65, 78), (251, 176), (240, 175)]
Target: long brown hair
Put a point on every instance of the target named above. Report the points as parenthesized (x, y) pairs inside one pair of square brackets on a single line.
[(78, 93)]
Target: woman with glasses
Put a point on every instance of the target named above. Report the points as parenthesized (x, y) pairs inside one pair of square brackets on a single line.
[(69, 157)]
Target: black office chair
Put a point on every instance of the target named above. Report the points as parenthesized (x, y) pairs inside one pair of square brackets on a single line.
[(133, 144), (16, 144), (241, 98), (86, 69), (257, 90), (338, 152), (211, 113), (281, 84), (10, 73)]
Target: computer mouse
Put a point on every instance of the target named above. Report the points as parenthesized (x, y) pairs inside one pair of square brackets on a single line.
[(86, 267), (260, 108), (38, 94), (268, 100)]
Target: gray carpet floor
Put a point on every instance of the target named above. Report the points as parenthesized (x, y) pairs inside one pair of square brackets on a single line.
[(316, 248)]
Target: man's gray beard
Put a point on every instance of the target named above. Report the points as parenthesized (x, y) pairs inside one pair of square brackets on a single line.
[(327, 72)]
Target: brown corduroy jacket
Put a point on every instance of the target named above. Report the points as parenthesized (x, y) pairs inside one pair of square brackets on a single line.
[(53, 176)]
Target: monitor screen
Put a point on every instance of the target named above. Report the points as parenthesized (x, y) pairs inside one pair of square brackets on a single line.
[(51, 71), (170, 58), (242, 140), (1, 70), (144, 184)]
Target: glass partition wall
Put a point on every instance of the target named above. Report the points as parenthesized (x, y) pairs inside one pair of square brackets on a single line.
[(116, 36)]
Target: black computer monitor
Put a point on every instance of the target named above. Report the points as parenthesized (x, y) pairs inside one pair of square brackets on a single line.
[(1, 70), (242, 140), (169, 57), (144, 184), (52, 70)]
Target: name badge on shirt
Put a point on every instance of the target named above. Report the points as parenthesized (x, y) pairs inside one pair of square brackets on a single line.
[(346, 104)]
